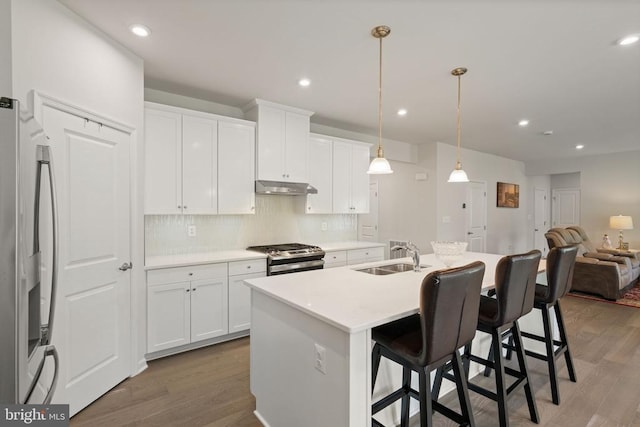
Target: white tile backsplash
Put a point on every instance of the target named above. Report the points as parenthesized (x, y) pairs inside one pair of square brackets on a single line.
[(278, 219)]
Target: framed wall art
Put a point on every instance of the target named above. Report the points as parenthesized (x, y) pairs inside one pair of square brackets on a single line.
[(508, 195)]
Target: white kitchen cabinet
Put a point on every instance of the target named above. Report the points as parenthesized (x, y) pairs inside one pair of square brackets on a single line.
[(199, 165), (186, 305), (209, 308), (163, 161), (168, 316), (282, 141), (335, 259), (350, 179), (360, 256), (236, 168), (240, 294), (320, 174), (191, 157)]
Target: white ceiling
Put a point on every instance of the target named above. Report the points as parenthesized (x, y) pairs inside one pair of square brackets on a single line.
[(554, 62)]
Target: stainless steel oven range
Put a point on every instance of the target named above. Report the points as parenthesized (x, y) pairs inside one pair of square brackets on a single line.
[(291, 257)]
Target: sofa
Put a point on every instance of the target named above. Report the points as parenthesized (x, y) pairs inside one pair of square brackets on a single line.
[(605, 272)]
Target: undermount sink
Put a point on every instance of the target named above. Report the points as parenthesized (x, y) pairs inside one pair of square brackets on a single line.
[(382, 270)]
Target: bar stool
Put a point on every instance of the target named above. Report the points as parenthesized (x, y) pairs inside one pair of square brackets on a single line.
[(560, 263), (449, 303), (515, 284)]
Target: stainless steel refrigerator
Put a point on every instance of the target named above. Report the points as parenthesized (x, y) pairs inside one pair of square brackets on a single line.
[(28, 258)]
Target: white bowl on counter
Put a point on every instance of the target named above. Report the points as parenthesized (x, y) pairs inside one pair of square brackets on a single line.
[(449, 252)]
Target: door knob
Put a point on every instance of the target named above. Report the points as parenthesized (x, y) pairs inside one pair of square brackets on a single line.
[(126, 266)]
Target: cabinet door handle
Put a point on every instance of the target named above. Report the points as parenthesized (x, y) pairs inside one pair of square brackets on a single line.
[(248, 267), (187, 290), (126, 266), (193, 289), (179, 206), (184, 207)]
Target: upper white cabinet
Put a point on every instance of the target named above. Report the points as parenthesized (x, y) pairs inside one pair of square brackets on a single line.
[(197, 163), (163, 161), (236, 168), (320, 174), (350, 179), (283, 141)]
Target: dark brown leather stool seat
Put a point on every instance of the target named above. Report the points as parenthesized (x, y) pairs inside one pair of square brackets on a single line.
[(449, 302), (515, 284)]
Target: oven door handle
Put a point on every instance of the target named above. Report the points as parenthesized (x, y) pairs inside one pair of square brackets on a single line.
[(296, 266)]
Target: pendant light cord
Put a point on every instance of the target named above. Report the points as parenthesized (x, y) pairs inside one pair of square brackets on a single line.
[(379, 154), (458, 166)]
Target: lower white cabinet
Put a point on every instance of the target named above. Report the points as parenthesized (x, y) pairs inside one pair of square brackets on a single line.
[(360, 256), (240, 294), (335, 259), (186, 305)]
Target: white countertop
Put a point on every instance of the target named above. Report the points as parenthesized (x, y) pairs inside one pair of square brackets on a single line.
[(354, 301), (182, 260), (345, 246), (165, 261)]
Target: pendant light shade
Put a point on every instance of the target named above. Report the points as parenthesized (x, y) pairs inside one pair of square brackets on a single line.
[(458, 175), (380, 165)]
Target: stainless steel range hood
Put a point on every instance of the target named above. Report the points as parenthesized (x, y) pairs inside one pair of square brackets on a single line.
[(285, 188)]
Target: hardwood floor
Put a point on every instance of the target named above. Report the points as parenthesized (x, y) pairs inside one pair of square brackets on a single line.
[(210, 386)]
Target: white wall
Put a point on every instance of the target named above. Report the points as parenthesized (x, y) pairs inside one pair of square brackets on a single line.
[(507, 229), (609, 185), (565, 180), (5, 48), (406, 210), (58, 53)]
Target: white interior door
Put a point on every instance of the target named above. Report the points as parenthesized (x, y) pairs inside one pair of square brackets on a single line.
[(92, 330), (476, 216), (565, 207), (368, 223), (540, 220)]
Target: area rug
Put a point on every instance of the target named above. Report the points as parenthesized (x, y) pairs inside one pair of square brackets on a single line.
[(631, 298)]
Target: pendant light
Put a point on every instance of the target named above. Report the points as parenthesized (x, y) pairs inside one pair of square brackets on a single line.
[(380, 165), (458, 175)]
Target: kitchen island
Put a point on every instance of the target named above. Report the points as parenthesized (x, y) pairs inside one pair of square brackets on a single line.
[(311, 339)]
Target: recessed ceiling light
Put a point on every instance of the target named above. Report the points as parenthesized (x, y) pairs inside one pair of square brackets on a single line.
[(630, 39), (304, 82), (523, 122), (140, 30), (547, 133), (402, 112), (579, 147)]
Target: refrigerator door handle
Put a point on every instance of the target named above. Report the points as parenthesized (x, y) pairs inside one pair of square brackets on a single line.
[(49, 351), (44, 157)]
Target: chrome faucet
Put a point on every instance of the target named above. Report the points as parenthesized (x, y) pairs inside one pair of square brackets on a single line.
[(413, 252)]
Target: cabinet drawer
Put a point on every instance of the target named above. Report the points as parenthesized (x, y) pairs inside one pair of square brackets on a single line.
[(335, 259), (364, 255), (247, 267), (181, 274)]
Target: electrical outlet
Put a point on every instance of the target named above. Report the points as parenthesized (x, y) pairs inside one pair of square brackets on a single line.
[(191, 230), (323, 226), (320, 358)]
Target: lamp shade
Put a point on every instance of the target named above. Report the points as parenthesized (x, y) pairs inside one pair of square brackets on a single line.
[(458, 175), (621, 222), (379, 166)]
